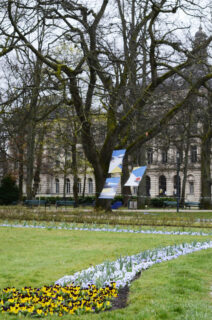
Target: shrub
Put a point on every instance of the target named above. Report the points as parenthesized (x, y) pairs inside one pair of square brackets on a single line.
[(205, 204), (118, 198), (51, 200), (8, 190), (86, 199), (158, 202)]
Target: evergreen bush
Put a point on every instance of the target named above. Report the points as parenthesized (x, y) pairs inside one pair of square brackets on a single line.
[(8, 190), (159, 202)]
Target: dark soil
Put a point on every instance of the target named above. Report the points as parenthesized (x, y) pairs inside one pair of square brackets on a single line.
[(121, 301), (123, 293)]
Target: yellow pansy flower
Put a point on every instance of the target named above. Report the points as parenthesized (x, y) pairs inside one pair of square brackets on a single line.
[(39, 311)]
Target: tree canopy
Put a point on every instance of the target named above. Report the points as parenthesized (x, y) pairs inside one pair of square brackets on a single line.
[(126, 52)]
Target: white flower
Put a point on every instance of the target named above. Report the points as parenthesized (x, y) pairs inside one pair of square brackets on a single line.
[(121, 274)]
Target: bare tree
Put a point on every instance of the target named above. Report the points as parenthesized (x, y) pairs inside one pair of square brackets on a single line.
[(105, 72)]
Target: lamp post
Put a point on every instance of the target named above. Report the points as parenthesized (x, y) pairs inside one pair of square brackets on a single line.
[(178, 181)]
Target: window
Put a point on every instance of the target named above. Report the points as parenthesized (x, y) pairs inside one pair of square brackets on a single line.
[(39, 188), (191, 187), (191, 184), (68, 186), (162, 185), (79, 185), (57, 185), (90, 186), (135, 190), (193, 154), (148, 186), (149, 155), (164, 155), (179, 157)]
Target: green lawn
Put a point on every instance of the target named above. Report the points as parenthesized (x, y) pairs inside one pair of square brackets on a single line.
[(178, 289), (192, 218)]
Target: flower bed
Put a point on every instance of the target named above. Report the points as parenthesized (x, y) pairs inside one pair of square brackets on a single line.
[(118, 229), (56, 300), (123, 270), (89, 290)]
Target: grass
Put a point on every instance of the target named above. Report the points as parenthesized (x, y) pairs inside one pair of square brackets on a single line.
[(65, 225), (177, 289), (191, 219)]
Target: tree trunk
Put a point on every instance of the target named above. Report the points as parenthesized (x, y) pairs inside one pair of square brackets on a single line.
[(30, 158), (75, 172), (64, 185), (185, 170), (20, 147), (84, 183), (205, 173), (142, 193), (20, 175), (100, 162), (101, 204), (4, 161), (141, 160), (206, 180), (39, 159), (31, 132)]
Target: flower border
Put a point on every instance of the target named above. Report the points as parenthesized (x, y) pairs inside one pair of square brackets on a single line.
[(104, 229)]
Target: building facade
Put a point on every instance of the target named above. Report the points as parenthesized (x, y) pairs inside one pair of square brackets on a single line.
[(160, 178)]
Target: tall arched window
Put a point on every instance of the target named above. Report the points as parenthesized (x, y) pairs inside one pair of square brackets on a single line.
[(79, 185), (193, 154), (68, 186), (149, 155), (191, 184), (164, 156), (177, 184), (191, 187), (162, 185), (135, 190), (39, 188), (57, 185), (90, 186), (148, 186)]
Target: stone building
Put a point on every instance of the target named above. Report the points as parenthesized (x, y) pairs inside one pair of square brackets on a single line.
[(161, 177)]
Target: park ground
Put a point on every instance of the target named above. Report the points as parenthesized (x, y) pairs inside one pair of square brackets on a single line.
[(178, 289)]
